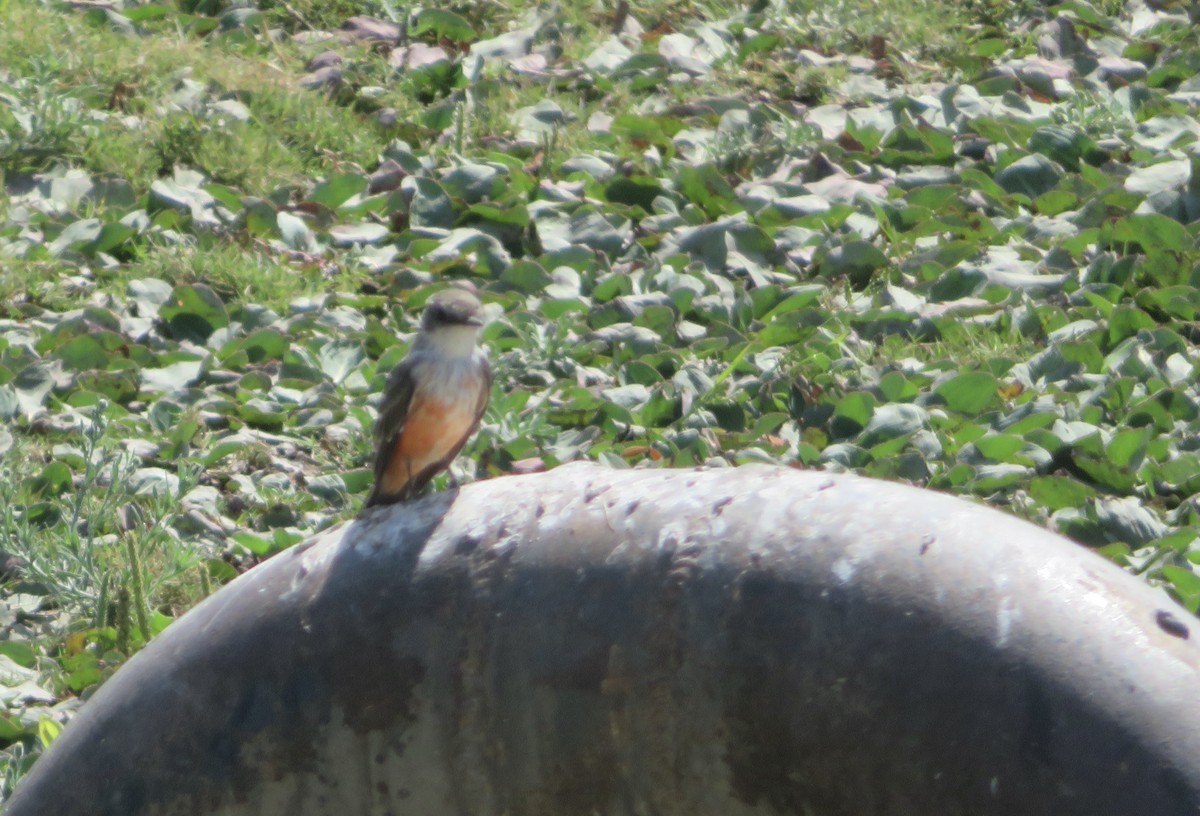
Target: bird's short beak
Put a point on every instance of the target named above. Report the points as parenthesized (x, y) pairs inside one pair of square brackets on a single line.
[(475, 321)]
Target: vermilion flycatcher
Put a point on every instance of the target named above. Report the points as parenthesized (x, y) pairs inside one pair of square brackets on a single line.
[(434, 398)]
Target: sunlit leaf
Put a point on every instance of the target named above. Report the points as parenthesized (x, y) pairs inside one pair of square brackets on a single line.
[(969, 393)]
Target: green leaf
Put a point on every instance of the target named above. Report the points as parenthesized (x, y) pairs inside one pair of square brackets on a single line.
[(856, 407), (344, 235), (222, 450), (82, 352), (1127, 321), (1106, 473), (758, 44), (32, 385), (110, 238), (1186, 585), (54, 480), (969, 393), (1031, 176), (336, 191), (1128, 447), (443, 24), (255, 544), (856, 260), (357, 481), (916, 143), (265, 344), (799, 298), (894, 421), (11, 727), (262, 413), (526, 276), (295, 232), (430, 207), (1064, 145), (999, 447), (194, 312), (47, 731), (173, 376), (474, 182), (76, 235), (9, 407), (1159, 177), (895, 387), (329, 487), (991, 478), (261, 217), (163, 414), (151, 11), (1087, 13), (990, 48), (1182, 302), (339, 357), (706, 187), (1148, 232), (149, 295), (19, 652), (1056, 202), (656, 131), (515, 215), (785, 329), (639, 191), (1057, 492)]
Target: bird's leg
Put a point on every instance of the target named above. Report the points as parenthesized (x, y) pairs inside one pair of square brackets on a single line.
[(406, 492)]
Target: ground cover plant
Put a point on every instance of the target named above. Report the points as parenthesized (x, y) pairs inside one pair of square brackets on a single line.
[(949, 243)]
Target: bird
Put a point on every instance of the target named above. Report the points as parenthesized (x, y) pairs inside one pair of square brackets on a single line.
[(434, 398)]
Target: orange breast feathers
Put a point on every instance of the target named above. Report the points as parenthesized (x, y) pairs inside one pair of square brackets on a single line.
[(434, 431)]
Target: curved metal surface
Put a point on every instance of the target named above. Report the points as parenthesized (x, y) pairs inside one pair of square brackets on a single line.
[(586, 641)]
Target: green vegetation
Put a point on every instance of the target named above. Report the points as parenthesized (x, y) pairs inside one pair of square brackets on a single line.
[(951, 243)]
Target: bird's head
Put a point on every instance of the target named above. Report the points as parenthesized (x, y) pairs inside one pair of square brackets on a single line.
[(451, 321), (452, 307)]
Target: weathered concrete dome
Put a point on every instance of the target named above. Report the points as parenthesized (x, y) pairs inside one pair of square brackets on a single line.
[(585, 641)]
